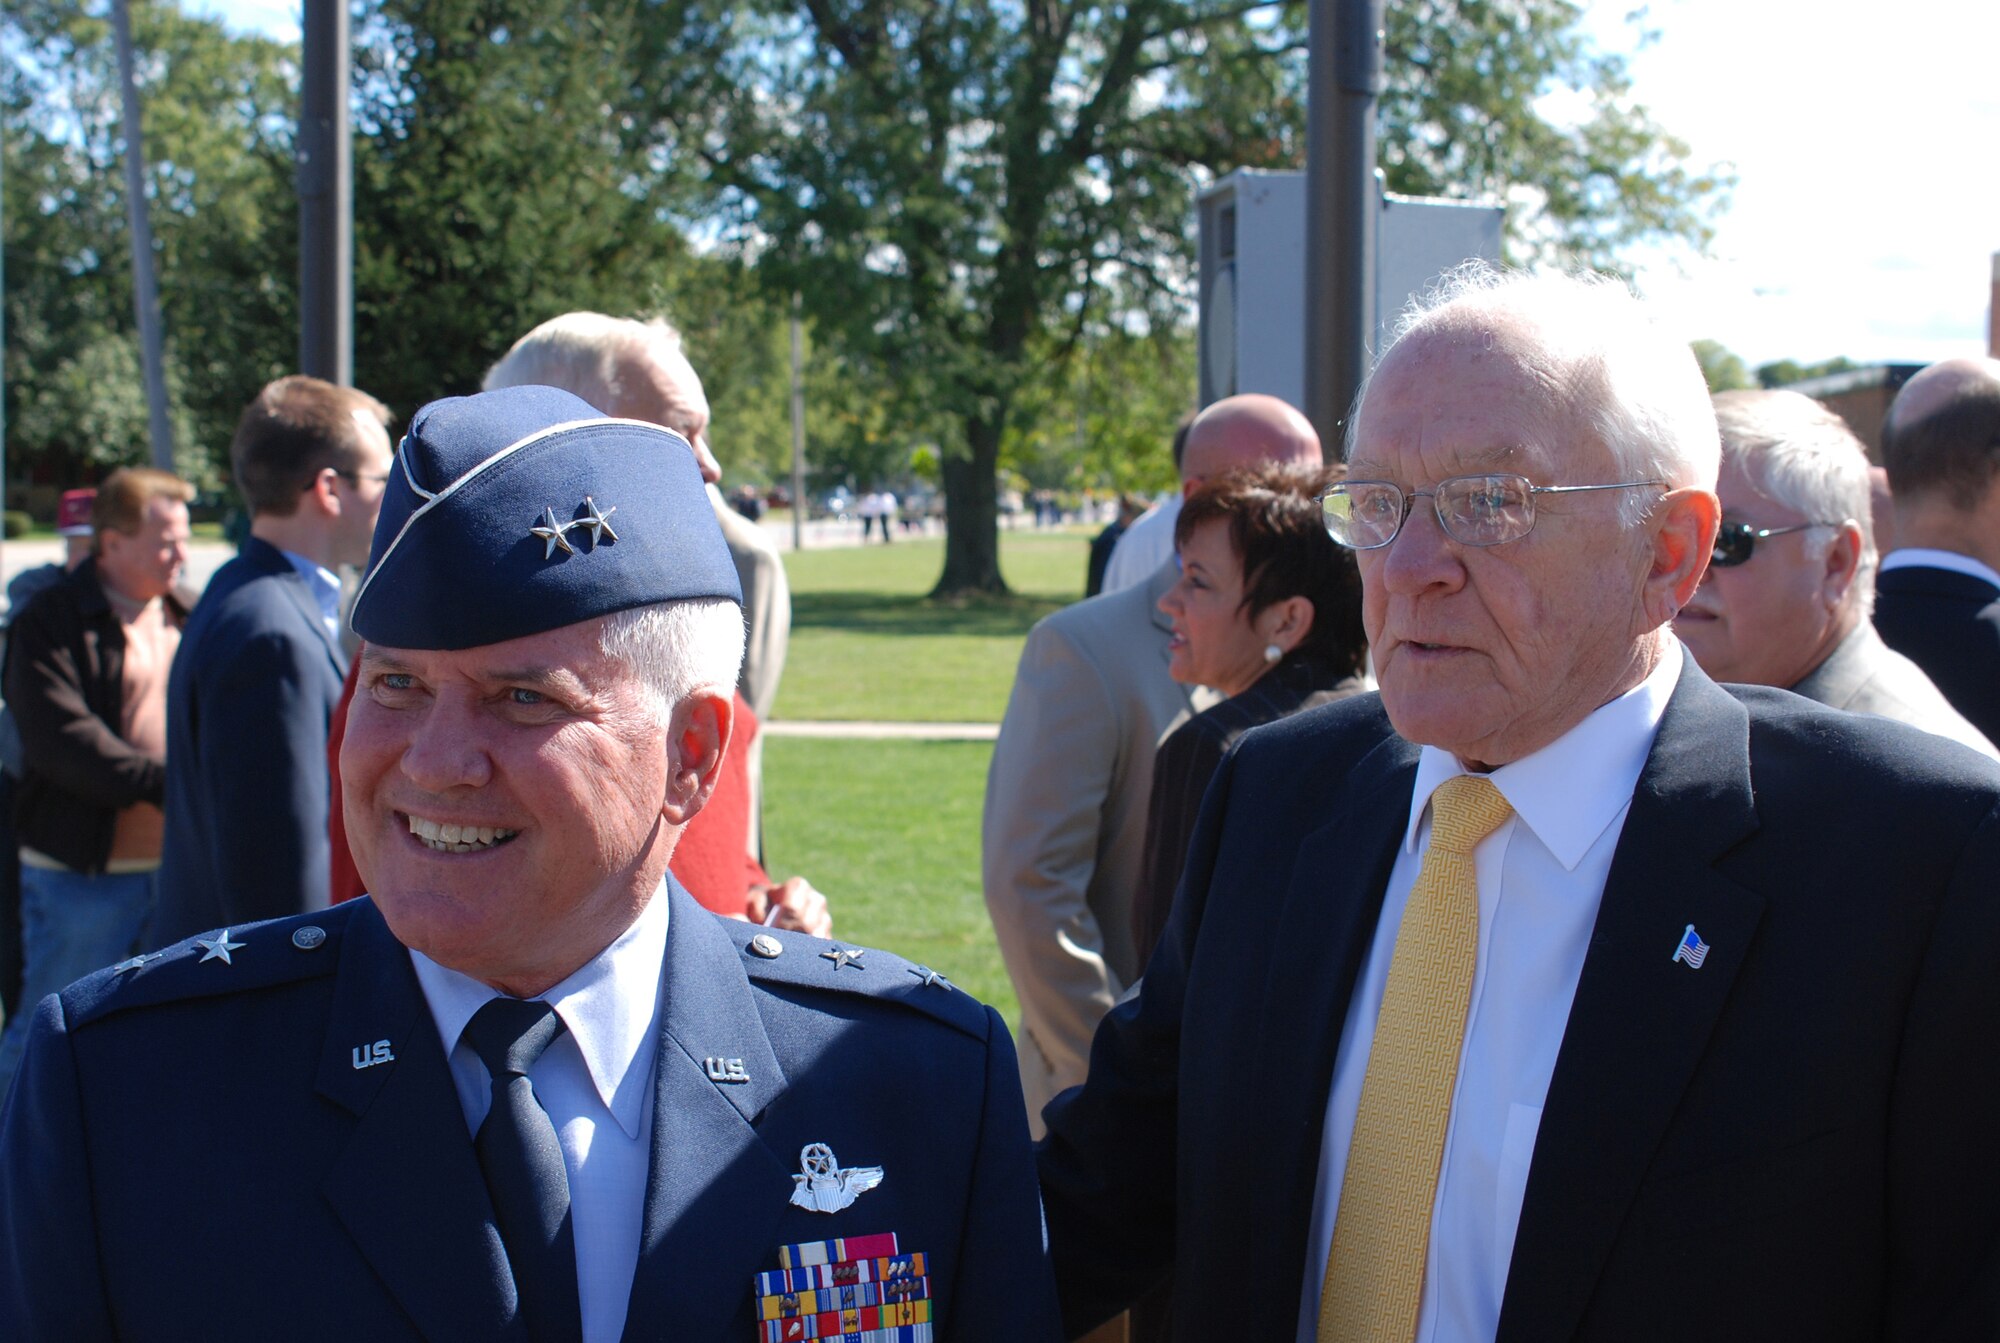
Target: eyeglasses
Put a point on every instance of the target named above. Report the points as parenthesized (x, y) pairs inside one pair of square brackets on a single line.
[(1473, 510), (356, 477), (1736, 542)]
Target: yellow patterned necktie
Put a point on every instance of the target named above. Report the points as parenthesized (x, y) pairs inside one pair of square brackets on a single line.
[(1381, 1236)]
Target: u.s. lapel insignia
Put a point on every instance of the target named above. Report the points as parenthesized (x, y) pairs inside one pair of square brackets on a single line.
[(824, 1185), (217, 948), (725, 1072), (369, 1056), (552, 532), (842, 956), (136, 962)]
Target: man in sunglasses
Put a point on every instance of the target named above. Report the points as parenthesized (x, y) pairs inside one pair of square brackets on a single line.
[(1786, 598), (1555, 992)]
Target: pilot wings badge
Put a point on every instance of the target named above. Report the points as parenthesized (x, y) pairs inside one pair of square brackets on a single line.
[(825, 1186)]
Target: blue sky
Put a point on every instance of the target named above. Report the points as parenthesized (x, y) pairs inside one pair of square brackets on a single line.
[(1867, 210)]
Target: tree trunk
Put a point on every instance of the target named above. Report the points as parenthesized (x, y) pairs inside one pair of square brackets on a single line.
[(972, 515)]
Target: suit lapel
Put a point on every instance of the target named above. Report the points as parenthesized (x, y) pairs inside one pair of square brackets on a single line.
[(1329, 913), (407, 1186), (293, 584), (716, 1192), (1640, 1021)]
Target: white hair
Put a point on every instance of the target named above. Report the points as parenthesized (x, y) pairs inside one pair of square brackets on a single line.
[(586, 354), (677, 648), (1604, 359), (1804, 456)]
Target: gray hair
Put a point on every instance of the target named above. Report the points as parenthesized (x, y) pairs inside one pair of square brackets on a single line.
[(1804, 456), (1603, 357), (585, 354), (677, 648)]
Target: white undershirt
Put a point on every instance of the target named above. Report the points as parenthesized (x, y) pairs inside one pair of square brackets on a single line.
[(1922, 557), (1541, 877), (1146, 545), (596, 1082)]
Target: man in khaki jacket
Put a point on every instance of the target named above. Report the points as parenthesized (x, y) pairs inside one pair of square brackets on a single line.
[(1065, 818)]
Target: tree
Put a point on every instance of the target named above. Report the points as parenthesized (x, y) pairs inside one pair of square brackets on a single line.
[(1785, 372), (964, 193), (1723, 371)]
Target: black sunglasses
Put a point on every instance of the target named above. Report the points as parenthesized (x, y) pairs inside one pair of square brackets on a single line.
[(1736, 542)]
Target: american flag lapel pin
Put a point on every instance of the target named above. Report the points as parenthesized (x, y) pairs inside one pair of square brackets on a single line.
[(1692, 951)]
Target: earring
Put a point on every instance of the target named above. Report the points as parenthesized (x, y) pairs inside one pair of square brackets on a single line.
[(1273, 653)]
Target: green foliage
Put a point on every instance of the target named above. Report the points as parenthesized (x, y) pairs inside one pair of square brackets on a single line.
[(1785, 372), (14, 524), (1724, 371)]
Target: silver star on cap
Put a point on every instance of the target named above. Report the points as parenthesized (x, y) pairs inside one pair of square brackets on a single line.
[(137, 962), (845, 956), (217, 948), (552, 531), (930, 977), (596, 523)]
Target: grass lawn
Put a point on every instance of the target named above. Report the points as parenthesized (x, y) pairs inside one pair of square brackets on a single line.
[(867, 644), (890, 831)]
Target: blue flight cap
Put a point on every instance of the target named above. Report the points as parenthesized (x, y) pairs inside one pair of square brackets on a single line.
[(523, 510)]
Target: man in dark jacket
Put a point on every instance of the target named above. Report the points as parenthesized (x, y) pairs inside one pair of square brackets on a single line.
[(86, 678)]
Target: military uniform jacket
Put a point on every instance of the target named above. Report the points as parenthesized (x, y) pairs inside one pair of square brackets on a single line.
[(200, 1148)]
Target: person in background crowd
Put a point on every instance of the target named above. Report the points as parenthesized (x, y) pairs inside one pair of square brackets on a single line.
[(639, 371), (1064, 825), (73, 526), (1786, 598), (1938, 597), (528, 1089), (1149, 541), (1267, 612), (260, 672), (1554, 991), (86, 681), (1129, 509)]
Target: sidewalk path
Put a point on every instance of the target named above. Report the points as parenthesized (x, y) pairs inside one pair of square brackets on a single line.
[(903, 731)]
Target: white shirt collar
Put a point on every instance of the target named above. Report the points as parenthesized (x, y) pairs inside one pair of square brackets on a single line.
[(1922, 557), (1571, 789), (324, 582), (609, 1005)]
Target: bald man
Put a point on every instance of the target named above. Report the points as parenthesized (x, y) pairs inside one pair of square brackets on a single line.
[(1234, 432), (1065, 821), (1938, 596)]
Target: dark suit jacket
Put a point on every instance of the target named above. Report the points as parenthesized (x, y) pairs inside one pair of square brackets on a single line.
[(1949, 624), (247, 707), (191, 1152), (1793, 1142)]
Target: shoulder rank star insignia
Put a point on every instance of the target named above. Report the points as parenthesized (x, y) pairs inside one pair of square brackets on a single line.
[(137, 962), (596, 523), (552, 531), (217, 948), (931, 978), (841, 956), (825, 1186)]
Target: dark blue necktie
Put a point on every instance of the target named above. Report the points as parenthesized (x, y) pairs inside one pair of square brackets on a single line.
[(523, 1162)]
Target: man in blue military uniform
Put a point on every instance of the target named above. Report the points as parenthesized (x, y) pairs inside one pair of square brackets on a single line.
[(528, 1089)]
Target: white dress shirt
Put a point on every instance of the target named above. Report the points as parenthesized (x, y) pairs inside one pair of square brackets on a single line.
[(596, 1082), (1540, 877), (1921, 557), (1146, 545)]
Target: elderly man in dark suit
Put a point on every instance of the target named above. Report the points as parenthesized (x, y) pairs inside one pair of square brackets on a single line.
[(260, 664), (1555, 992), (1938, 598), (527, 1088)]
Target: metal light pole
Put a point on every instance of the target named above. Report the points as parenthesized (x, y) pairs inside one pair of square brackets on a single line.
[(1342, 203), (798, 430), (145, 291), (326, 196)]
